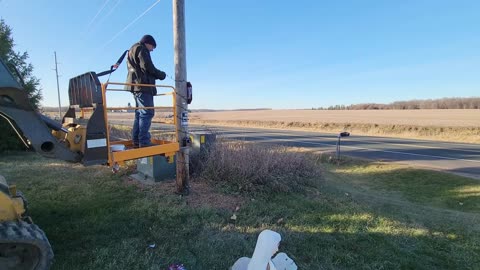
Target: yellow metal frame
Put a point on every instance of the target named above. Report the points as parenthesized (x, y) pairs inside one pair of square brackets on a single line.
[(162, 147)]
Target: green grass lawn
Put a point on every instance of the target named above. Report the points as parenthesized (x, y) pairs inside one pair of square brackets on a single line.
[(359, 216), (421, 186)]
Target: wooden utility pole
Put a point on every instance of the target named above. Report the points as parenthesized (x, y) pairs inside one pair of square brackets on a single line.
[(183, 175), (58, 89)]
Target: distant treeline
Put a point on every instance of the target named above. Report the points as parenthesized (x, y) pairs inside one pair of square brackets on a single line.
[(426, 104)]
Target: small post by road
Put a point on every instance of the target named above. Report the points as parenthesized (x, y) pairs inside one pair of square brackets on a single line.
[(181, 121), (341, 135)]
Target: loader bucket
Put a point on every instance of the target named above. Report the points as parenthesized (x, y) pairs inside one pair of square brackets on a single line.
[(15, 108)]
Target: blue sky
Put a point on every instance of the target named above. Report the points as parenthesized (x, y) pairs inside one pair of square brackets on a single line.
[(269, 54)]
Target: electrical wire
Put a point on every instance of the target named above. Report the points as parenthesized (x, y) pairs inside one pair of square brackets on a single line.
[(98, 13), (109, 12), (130, 24)]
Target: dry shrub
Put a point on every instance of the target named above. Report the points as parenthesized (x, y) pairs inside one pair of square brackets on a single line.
[(120, 132), (246, 167)]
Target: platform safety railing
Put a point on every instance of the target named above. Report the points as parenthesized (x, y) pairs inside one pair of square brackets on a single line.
[(162, 147)]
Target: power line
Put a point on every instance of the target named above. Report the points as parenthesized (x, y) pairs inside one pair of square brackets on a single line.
[(131, 23), (92, 28), (98, 13), (110, 12)]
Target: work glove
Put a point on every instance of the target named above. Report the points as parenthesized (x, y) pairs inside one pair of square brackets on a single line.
[(161, 75)]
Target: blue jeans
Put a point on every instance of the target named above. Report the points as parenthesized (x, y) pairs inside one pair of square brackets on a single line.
[(143, 118)]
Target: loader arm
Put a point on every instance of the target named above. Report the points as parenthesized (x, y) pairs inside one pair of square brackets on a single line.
[(16, 109)]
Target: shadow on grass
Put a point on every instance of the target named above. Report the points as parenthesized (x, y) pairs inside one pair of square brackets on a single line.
[(332, 232)]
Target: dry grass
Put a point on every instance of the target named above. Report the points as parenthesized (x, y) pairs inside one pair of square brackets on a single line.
[(451, 134), (241, 167), (440, 118), (441, 125), (427, 118), (202, 195)]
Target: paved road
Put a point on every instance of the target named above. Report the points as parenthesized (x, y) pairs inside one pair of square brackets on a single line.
[(458, 158)]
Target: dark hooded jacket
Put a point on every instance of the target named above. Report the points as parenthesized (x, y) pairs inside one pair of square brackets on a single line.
[(141, 69)]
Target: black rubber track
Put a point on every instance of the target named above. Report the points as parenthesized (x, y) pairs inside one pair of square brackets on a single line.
[(24, 246)]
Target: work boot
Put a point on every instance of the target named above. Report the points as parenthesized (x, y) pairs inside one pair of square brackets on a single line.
[(147, 144)]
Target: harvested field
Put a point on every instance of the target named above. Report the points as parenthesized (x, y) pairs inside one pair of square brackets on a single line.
[(441, 125), (442, 118)]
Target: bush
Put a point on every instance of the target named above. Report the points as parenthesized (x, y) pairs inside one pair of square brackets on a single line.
[(9, 140), (244, 168)]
